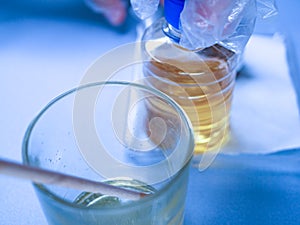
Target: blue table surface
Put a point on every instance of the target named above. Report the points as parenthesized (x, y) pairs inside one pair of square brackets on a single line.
[(45, 47), (246, 189)]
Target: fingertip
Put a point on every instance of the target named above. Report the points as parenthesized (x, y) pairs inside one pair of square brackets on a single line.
[(115, 11), (116, 16)]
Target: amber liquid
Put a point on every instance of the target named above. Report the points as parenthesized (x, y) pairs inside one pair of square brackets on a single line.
[(202, 86)]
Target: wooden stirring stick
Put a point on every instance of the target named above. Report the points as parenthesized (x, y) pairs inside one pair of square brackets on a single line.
[(43, 176)]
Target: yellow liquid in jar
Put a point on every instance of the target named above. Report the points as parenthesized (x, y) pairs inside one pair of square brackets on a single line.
[(202, 87)]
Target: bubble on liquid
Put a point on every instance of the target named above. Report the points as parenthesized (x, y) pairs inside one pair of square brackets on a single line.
[(144, 8)]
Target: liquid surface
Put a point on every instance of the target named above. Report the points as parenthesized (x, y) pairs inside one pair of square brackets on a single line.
[(165, 206), (95, 200)]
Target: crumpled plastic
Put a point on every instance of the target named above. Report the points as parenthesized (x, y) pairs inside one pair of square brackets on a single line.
[(144, 8), (204, 23), (229, 23), (266, 8)]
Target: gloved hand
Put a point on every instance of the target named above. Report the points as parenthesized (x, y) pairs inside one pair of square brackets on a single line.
[(114, 10), (228, 22), (207, 22)]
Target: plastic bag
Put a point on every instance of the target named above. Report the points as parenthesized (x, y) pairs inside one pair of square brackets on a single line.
[(266, 8), (144, 8), (207, 22), (229, 23)]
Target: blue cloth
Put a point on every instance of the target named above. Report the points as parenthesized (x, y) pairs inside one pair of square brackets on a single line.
[(246, 189)]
